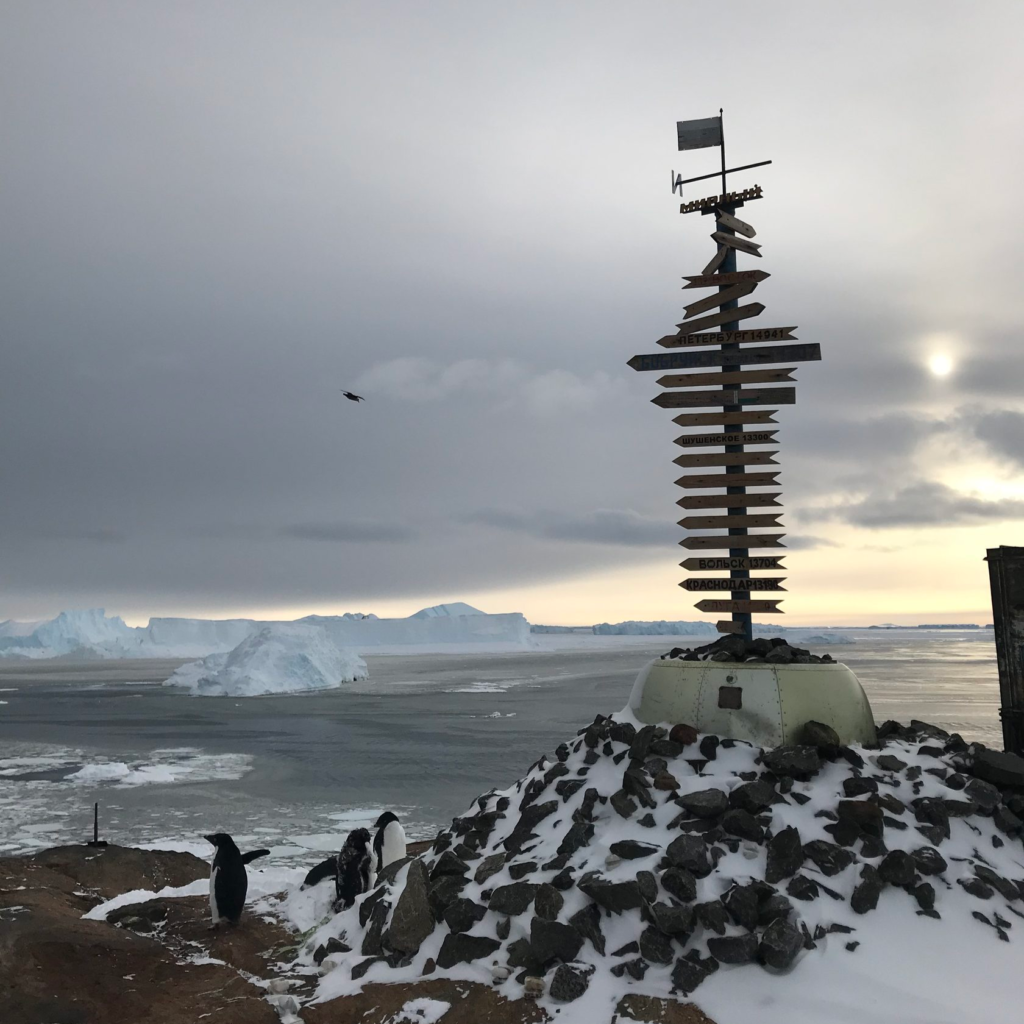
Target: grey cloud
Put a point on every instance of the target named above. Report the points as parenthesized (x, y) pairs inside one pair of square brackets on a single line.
[(621, 527), (922, 503), (808, 542), (347, 533), (1002, 431)]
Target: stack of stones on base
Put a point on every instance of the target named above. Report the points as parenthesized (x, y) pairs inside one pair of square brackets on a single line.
[(760, 650), (657, 855)]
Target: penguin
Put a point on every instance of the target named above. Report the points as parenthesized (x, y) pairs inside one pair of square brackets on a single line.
[(389, 842), (354, 869), (228, 880)]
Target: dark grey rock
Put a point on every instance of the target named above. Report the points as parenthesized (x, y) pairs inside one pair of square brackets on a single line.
[(741, 901), (640, 747), (503, 928), (773, 907), (780, 944), (752, 797), (372, 936), (412, 920), (548, 902), (689, 852), (552, 940), (712, 915), (448, 864), (890, 763), (705, 803), (443, 892), (512, 899), (1003, 886), (889, 803), (999, 767), (563, 880), (866, 892), (865, 815), (461, 949), (734, 949), (984, 795), (666, 748), (648, 885), (579, 835), (630, 849), (687, 975), (802, 888), (678, 882), (569, 983), (897, 868), (929, 861), (628, 949), (388, 874), (976, 887), (636, 969), (785, 855), (924, 893), (670, 920), (799, 762), (323, 951), (488, 866), (623, 804), (521, 869), (743, 824), (656, 947), (587, 923), (829, 858), (1006, 821), (460, 916), (363, 966), (709, 748), (647, 821), (613, 896), (932, 811), (366, 907), (622, 732), (567, 788), (520, 954), (529, 818), (817, 734), (857, 786)]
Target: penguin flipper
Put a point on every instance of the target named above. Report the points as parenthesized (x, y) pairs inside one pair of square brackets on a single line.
[(325, 869), (248, 858)]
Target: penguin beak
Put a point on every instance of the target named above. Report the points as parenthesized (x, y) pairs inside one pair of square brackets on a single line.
[(210, 840)]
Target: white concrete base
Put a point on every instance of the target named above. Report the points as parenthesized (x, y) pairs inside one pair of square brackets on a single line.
[(775, 700)]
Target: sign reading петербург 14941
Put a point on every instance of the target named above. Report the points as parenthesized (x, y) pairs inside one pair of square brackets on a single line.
[(726, 197)]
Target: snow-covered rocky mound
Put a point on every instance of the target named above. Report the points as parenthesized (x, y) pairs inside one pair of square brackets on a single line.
[(789, 886), (280, 658)]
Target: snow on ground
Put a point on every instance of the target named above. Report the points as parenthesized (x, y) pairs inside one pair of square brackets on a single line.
[(919, 833), (277, 659)]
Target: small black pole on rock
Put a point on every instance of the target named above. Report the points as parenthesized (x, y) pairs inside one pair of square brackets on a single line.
[(96, 826)]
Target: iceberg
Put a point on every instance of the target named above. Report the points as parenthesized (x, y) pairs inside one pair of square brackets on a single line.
[(279, 658), (93, 634), (657, 627), (826, 638)]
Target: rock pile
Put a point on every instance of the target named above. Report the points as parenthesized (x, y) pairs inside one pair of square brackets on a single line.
[(759, 650), (653, 855)]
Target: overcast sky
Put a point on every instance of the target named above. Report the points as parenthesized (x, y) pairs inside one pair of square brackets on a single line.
[(215, 215)]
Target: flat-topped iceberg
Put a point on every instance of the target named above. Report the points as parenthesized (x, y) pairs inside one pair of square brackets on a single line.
[(278, 658)]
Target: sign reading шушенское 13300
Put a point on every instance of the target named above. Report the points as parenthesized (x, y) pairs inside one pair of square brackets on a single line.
[(725, 356)]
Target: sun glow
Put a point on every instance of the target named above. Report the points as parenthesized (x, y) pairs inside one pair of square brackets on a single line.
[(940, 365)]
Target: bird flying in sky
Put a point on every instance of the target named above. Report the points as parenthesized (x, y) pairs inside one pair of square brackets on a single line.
[(351, 397)]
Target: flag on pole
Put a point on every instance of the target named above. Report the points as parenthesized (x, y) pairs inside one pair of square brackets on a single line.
[(699, 134)]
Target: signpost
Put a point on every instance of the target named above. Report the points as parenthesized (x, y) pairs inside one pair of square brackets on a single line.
[(721, 356)]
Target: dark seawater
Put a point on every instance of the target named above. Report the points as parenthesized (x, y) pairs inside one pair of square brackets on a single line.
[(425, 735)]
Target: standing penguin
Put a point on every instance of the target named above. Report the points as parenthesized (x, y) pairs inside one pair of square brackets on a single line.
[(354, 874), (389, 842), (228, 880)]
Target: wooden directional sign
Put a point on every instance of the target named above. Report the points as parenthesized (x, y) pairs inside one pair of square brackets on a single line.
[(734, 586), (727, 459), (760, 540), (728, 500), (724, 419), (723, 563), (725, 317), (806, 353), (728, 626), (763, 607), (691, 380), (727, 396), (726, 337), (737, 291), (713, 440), (721, 280), (741, 227), (729, 522), (702, 481), (717, 260), (736, 242)]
